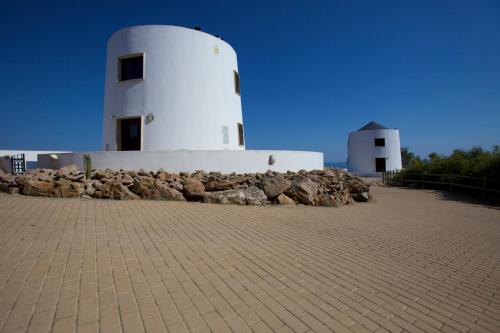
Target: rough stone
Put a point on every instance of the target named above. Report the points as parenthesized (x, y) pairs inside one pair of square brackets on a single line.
[(222, 185), (100, 174), (193, 189), (282, 199), (329, 200), (68, 170), (13, 190), (362, 197), (68, 189), (303, 191), (142, 186), (113, 190), (250, 196), (38, 188), (165, 192), (274, 186)]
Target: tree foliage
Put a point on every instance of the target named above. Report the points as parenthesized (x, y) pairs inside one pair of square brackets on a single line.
[(407, 157), (475, 162)]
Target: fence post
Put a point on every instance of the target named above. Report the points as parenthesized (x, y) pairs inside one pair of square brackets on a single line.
[(87, 165), (423, 179), (484, 189), (451, 183)]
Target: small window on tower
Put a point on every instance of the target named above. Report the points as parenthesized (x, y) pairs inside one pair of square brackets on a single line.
[(225, 135), (131, 67), (236, 82), (380, 142), (241, 138)]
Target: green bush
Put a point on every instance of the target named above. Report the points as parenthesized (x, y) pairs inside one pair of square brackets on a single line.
[(475, 162)]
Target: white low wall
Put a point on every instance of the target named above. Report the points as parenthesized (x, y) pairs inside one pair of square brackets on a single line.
[(30, 156), (226, 161)]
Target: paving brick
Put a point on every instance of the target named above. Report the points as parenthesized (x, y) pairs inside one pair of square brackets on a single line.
[(41, 322), (215, 322), (155, 324), (64, 325), (19, 316), (92, 327), (132, 322), (66, 307)]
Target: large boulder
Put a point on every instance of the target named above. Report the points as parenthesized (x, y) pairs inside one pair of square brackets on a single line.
[(274, 186), (68, 189), (329, 200), (357, 186), (249, 196), (168, 193), (193, 189), (303, 190), (69, 170), (362, 197), (176, 185), (113, 190), (103, 174), (219, 185), (282, 199), (162, 191), (121, 192), (142, 186), (37, 188)]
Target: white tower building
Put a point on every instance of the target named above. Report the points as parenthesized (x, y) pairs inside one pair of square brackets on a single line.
[(373, 149), (172, 102), (171, 88)]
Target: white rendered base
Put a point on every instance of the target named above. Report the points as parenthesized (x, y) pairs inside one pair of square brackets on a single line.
[(367, 174), (226, 161)]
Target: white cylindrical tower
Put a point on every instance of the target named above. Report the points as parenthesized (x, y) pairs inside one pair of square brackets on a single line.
[(373, 149), (171, 88)]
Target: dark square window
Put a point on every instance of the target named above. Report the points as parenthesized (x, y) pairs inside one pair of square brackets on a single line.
[(380, 142), (236, 82), (130, 67), (241, 139)]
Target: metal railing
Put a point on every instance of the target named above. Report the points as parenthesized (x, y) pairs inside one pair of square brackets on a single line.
[(483, 185), (17, 164)]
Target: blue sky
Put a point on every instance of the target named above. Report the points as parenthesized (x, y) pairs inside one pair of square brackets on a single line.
[(311, 71)]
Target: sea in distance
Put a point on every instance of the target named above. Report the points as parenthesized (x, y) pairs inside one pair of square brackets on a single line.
[(339, 165)]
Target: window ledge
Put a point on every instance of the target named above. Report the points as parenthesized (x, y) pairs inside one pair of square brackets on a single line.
[(131, 80)]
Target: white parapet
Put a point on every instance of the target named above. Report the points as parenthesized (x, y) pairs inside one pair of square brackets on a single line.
[(226, 161)]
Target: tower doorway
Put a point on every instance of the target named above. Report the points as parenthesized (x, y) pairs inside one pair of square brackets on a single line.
[(380, 164), (129, 133)]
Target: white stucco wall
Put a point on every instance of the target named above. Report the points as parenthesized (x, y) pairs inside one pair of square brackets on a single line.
[(30, 157), (226, 161), (362, 151), (188, 86)]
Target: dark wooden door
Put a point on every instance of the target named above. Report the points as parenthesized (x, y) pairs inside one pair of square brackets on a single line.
[(380, 164), (130, 134)]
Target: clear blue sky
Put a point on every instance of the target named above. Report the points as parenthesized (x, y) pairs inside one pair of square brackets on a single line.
[(311, 71)]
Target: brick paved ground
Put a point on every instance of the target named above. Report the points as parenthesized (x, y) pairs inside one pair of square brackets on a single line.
[(407, 262)]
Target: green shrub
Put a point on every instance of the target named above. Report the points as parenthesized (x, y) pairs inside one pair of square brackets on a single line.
[(474, 162)]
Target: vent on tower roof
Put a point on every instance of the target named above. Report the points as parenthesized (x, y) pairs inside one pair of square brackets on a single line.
[(197, 28), (372, 126)]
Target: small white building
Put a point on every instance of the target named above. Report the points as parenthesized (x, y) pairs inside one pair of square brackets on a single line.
[(373, 149)]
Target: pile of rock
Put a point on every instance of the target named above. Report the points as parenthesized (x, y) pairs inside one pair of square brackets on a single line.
[(329, 187)]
